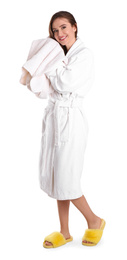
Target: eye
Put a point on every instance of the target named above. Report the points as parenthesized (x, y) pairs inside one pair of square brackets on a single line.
[(63, 27), (54, 31)]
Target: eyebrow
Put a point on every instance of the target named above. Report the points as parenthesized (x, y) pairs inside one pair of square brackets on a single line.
[(59, 26)]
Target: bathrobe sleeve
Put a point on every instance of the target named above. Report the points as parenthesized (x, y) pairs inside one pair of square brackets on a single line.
[(75, 72)]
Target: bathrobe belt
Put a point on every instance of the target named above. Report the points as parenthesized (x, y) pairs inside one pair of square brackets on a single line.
[(62, 117)]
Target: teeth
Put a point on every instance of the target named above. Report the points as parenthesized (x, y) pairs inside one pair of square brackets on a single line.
[(62, 38)]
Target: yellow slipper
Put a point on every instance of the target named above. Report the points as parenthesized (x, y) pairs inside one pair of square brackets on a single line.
[(93, 235), (57, 239)]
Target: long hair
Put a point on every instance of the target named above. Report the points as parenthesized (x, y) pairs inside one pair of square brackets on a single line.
[(69, 17)]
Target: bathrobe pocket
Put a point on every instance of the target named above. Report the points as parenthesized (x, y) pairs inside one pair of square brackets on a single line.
[(64, 124)]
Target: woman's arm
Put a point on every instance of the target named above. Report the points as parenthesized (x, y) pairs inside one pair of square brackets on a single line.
[(77, 73)]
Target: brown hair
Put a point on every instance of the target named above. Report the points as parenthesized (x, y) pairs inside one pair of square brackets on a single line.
[(69, 17)]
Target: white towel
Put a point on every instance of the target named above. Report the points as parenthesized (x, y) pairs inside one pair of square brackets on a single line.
[(44, 56)]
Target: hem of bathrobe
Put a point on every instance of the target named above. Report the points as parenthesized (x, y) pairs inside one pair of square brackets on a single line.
[(64, 197)]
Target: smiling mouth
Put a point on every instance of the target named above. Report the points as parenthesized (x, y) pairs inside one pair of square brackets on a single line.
[(62, 38)]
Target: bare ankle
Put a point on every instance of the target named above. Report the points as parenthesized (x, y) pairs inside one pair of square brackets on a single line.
[(65, 233), (94, 223)]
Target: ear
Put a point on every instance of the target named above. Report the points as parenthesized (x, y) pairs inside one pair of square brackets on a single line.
[(75, 27)]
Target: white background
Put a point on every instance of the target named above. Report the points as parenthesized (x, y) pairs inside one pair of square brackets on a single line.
[(27, 213)]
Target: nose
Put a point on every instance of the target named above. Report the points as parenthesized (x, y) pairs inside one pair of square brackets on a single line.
[(60, 33)]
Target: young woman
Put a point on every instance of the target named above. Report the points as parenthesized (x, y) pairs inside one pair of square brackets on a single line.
[(71, 82), (64, 132)]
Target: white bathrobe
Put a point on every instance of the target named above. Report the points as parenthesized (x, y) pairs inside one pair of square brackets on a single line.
[(64, 125)]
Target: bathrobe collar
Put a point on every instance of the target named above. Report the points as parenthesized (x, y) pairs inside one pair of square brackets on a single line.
[(74, 46)]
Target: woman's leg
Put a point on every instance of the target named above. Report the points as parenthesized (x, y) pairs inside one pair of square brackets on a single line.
[(63, 210), (93, 221)]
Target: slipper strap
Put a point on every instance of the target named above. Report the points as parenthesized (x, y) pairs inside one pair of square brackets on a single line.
[(56, 238), (92, 235)]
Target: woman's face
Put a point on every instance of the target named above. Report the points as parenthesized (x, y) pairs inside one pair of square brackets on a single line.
[(64, 32)]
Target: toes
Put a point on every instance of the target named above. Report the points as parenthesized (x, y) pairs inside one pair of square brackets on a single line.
[(48, 243), (87, 242)]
